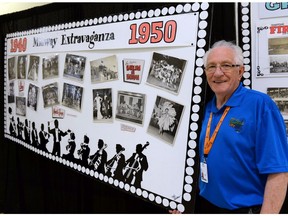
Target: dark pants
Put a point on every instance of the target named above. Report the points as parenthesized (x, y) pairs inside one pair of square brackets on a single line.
[(202, 206), (56, 149)]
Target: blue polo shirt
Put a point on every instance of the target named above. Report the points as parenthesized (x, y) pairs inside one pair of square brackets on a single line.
[(250, 144)]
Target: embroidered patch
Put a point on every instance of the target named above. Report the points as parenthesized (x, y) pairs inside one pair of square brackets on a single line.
[(237, 124)]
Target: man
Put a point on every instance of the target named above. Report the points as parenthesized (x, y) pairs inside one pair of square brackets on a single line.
[(44, 139), (136, 165), (57, 134), (243, 147), (115, 166), (99, 159)]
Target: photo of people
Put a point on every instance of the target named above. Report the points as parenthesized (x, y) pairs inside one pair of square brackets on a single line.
[(166, 72), (21, 67), (11, 68), (278, 54), (165, 119), (104, 69), (50, 95), (33, 68), (130, 107), (102, 105), (279, 64), (32, 97), (50, 67), (11, 92), (72, 96), (278, 46), (21, 106), (74, 66), (280, 96)]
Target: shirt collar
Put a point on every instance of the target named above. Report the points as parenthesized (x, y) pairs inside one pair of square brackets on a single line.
[(233, 101)]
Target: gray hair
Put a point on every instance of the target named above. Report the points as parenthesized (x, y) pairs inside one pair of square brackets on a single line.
[(236, 49)]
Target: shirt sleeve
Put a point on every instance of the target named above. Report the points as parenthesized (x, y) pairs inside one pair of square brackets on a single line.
[(271, 140)]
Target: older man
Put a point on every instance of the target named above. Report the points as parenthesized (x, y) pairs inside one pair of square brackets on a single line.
[(243, 146)]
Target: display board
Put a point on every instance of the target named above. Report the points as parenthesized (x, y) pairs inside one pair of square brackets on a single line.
[(270, 48), (116, 98)]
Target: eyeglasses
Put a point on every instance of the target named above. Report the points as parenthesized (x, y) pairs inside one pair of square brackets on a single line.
[(223, 67)]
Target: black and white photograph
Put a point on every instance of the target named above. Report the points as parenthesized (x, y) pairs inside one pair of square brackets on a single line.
[(50, 95), (279, 64), (50, 67), (165, 119), (130, 107), (32, 99), (72, 96), (21, 67), (11, 92), (33, 69), (11, 68), (280, 96), (21, 106), (102, 105), (74, 67), (278, 46), (166, 72), (104, 69), (132, 70)]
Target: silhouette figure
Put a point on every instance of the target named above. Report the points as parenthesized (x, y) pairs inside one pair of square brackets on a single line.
[(136, 165), (99, 159), (57, 134), (115, 166)]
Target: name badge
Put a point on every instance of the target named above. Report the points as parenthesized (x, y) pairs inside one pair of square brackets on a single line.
[(204, 172)]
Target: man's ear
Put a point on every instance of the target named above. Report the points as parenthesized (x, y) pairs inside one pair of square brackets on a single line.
[(241, 71)]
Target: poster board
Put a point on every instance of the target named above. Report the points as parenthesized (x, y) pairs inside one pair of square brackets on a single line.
[(269, 30), (128, 85)]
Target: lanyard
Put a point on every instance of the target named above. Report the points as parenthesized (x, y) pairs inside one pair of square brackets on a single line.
[(209, 142)]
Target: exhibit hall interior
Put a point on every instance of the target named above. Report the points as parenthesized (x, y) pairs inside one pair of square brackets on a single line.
[(103, 103)]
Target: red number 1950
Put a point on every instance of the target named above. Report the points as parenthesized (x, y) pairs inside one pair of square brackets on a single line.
[(155, 32)]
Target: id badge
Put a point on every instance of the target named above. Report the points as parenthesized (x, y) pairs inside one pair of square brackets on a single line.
[(204, 172)]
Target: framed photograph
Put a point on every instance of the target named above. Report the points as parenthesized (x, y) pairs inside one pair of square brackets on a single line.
[(21, 106), (72, 96), (165, 119), (130, 107), (74, 67), (21, 67), (102, 105), (11, 68), (104, 69), (33, 68), (50, 67), (280, 96), (11, 94), (279, 64), (132, 70), (50, 95), (278, 46), (32, 99), (166, 72)]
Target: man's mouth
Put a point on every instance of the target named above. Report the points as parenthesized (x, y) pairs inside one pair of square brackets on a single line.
[(218, 81)]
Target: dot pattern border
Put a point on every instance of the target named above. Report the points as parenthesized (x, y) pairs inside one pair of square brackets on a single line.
[(195, 103)]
